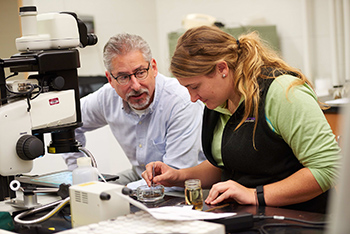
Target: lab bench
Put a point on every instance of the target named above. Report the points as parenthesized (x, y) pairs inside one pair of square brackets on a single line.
[(61, 222)]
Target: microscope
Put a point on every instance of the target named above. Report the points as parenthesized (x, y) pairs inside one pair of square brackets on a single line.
[(47, 101)]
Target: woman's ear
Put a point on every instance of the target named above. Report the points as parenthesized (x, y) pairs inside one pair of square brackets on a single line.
[(222, 68)]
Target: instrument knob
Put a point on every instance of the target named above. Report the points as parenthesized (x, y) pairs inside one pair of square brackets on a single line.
[(29, 147)]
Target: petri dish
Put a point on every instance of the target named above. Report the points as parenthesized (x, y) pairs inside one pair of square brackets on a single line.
[(150, 194)]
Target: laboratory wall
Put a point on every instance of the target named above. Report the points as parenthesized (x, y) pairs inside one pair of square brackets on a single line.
[(307, 30), (9, 28), (303, 26)]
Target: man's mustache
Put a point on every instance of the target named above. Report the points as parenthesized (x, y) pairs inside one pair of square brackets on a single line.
[(137, 93)]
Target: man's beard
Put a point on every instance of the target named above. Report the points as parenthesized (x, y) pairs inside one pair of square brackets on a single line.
[(139, 104)]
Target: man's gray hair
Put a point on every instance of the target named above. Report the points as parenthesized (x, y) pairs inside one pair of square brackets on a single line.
[(122, 44)]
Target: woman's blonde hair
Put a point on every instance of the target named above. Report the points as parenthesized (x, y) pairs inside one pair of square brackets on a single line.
[(249, 57)]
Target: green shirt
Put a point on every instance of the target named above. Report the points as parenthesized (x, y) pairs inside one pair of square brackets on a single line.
[(299, 120)]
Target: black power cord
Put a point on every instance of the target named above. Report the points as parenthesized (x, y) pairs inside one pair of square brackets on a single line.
[(265, 226), (303, 223), (28, 93)]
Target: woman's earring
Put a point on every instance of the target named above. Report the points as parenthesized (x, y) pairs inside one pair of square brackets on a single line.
[(223, 75)]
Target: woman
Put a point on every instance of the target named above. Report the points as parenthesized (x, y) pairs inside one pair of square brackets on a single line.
[(264, 133)]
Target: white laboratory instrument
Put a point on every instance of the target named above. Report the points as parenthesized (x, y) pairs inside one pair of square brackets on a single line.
[(54, 30), (48, 100), (94, 202)]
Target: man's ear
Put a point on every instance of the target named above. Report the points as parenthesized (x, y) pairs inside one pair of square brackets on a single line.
[(154, 67), (109, 78)]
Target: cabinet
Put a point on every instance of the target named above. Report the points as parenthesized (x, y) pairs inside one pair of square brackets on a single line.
[(334, 118)]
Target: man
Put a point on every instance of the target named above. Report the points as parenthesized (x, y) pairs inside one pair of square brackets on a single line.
[(150, 115)]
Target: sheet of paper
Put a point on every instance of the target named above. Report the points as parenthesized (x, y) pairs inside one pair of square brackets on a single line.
[(178, 213), (184, 213)]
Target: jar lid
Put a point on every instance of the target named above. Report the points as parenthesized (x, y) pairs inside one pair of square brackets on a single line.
[(84, 161), (193, 183)]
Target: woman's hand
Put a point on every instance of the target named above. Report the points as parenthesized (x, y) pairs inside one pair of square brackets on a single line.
[(231, 190), (163, 174), (169, 176)]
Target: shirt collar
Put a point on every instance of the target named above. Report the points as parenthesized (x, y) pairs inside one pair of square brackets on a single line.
[(223, 107), (157, 91), (223, 110)]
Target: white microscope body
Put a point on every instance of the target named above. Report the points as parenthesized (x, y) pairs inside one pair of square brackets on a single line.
[(47, 101)]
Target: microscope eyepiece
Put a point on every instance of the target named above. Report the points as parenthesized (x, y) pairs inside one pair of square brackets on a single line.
[(91, 39)]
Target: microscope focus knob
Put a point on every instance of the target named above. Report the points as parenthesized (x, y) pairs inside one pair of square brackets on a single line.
[(105, 196), (29, 147), (58, 83)]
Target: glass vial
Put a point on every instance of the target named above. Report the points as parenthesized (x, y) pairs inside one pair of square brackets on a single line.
[(84, 172), (194, 193)]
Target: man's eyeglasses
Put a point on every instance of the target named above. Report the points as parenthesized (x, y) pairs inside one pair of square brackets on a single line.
[(140, 74)]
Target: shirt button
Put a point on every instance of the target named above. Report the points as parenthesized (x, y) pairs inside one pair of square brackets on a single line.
[(140, 145), (140, 122)]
